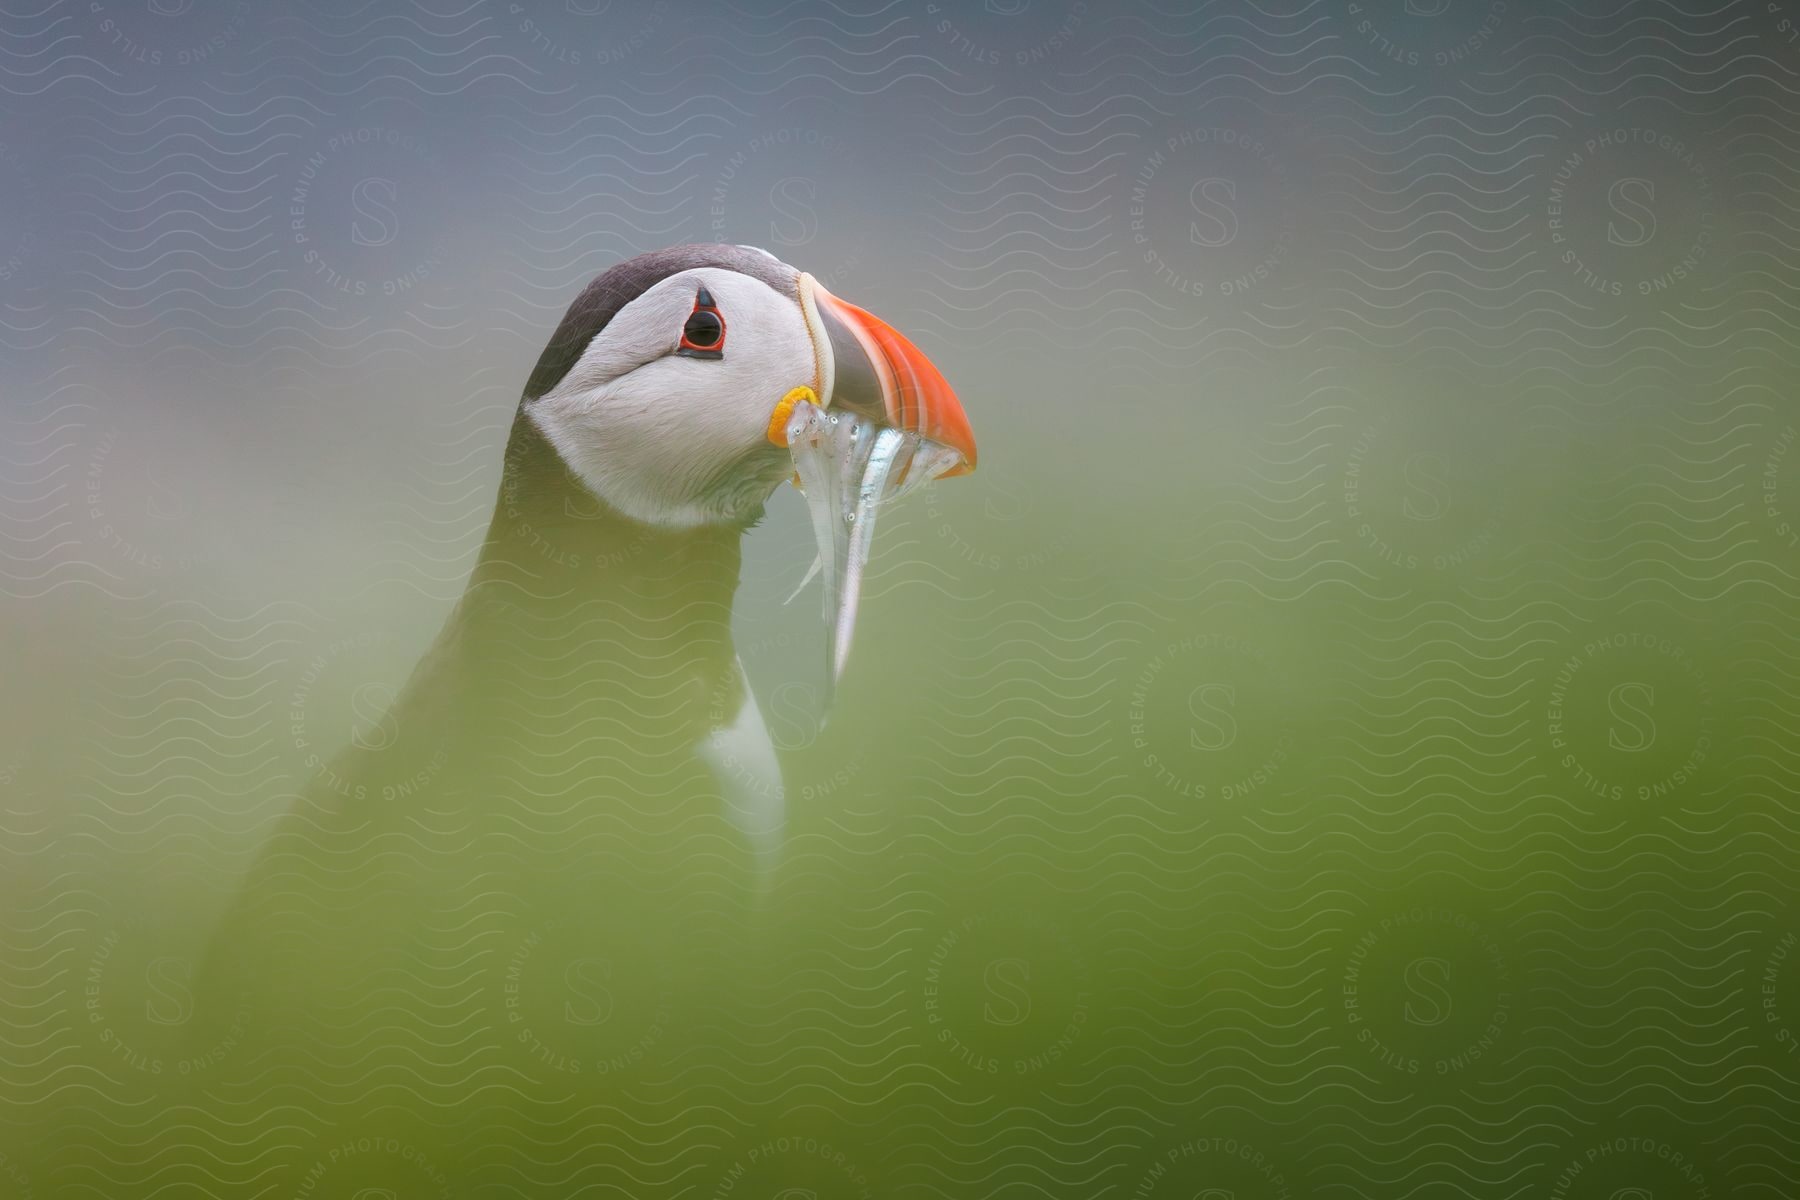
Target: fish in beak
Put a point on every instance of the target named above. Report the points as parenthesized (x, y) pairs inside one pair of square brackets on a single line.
[(881, 422)]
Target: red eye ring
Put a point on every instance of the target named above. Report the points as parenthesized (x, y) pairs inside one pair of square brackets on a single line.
[(703, 335)]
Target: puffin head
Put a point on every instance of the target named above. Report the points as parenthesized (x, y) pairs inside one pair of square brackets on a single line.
[(668, 386)]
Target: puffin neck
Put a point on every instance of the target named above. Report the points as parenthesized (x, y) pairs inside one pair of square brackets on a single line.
[(552, 545), (576, 614)]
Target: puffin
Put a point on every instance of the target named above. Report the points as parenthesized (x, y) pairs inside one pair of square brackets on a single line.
[(576, 772), (662, 414)]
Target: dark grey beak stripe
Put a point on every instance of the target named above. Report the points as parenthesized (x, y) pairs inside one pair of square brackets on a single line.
[(856, 385)]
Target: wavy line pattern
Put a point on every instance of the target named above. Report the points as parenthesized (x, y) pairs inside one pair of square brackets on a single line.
[(1341, 743)]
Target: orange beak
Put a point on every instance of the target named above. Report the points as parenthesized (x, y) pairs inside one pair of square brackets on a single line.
[(873, 370)]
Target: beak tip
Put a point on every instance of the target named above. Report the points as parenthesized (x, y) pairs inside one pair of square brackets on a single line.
[(957, 435)]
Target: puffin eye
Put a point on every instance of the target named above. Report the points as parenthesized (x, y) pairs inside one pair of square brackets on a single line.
[(703, 336), (703, 330)]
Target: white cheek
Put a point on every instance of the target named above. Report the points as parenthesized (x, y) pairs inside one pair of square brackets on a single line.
[(618, 441), (653, 440)]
